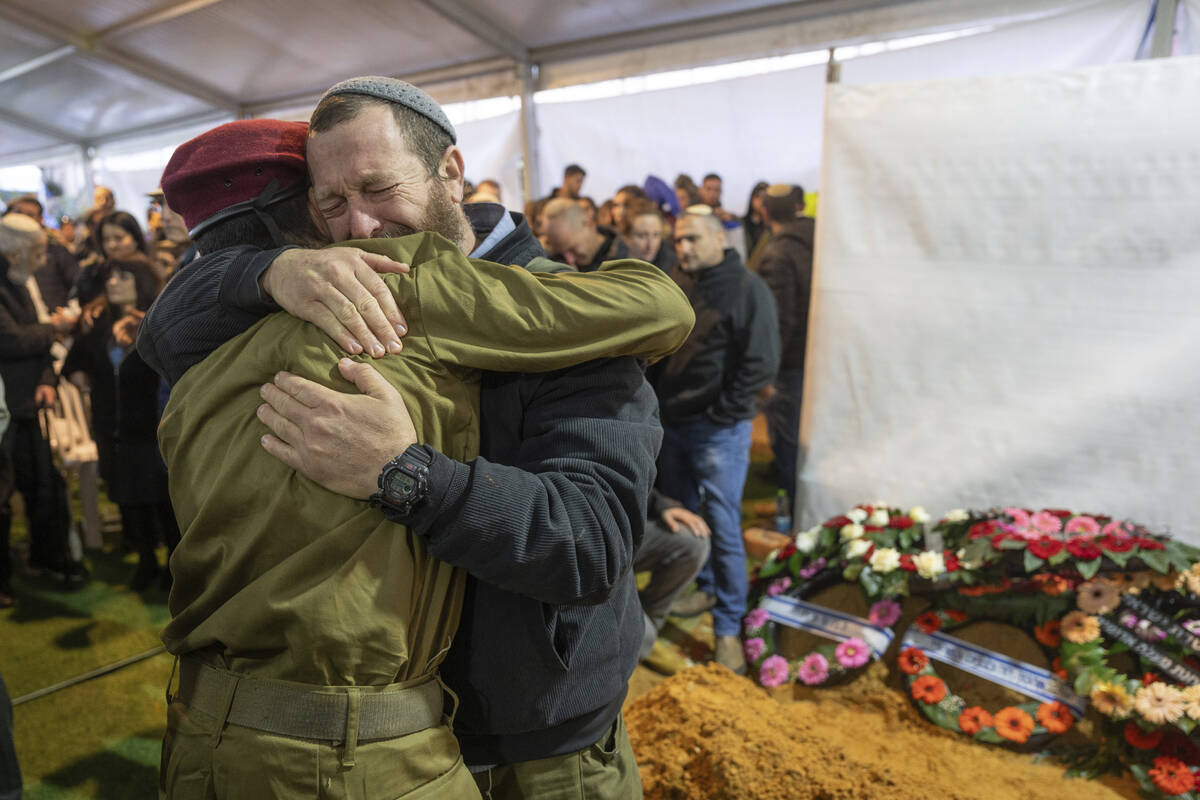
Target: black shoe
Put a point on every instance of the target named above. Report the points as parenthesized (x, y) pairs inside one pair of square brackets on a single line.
[(143, 576)]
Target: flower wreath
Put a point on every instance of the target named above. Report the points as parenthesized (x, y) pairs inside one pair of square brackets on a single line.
[(827, 663)]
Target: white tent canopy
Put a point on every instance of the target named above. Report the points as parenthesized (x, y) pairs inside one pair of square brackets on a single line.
[(84, 88)]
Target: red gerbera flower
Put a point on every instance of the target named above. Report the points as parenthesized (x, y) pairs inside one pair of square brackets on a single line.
[(1115, 544), (907, 564), (1083, 549), (1014, 724), (1149, 678), (950, 559), (900, 523), (1172, 776), (1045, 547), (982, 529), (1057, 668), (1055, 717), (1048, 634), (928, 622), (1141, 739), (1176, 745), (872, 528), (928, 689), (1148, 544), (912, 660), (974, 719), (956, 615), (1061, 513), (836, 523), (1000, 537), (785, 552)]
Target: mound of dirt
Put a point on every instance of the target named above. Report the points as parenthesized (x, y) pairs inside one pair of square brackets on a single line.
[(707, 734)]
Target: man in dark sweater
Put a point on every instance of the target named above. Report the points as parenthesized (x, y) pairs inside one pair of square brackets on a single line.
[(545, 521), (786, 266), (576, 241), (707, 393)]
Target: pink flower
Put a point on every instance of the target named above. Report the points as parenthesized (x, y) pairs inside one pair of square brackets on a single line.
[(813, 670), (755, 619), (754, 648), (1046, 522), (779, 586), (852, 653), (1115, 529), (1083, 524), (1019, 516), (774, 671), (813, 568), (884, 613)]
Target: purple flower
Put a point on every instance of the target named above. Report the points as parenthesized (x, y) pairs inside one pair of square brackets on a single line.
[(813, 568), (813, 670), (852, 653), (1192, 626), (755, 619), (774, 671), (754, 648), (1129, 620), (884, 613), (779, 586)]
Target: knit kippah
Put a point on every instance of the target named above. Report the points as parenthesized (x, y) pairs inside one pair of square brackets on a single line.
[(394, 90), (779, 189)]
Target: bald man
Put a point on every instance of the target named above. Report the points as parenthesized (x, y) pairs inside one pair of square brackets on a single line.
[(576, 240), (707, 398)]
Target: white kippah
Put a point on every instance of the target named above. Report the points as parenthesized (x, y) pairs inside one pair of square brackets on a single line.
[(394, 90)]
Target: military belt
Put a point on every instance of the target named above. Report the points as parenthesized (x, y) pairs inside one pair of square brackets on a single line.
[(328, 713)]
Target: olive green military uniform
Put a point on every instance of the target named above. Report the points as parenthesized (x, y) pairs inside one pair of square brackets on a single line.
[(278, 580)]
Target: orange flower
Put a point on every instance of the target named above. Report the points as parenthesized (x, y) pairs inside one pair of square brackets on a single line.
[(956, 615), (1048, 634), (1141, 739), (928, 689), (912, 660), (1057, 668), (1014, 724), (1055, 717), (1172, 776), (973, 591), (929, 621), (974, 719), (1052, 585), (1079, 628)]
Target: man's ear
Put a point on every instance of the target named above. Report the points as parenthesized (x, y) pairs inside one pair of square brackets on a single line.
[(452, 172)]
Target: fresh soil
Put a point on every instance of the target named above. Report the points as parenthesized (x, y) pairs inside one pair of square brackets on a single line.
[(707, 734)]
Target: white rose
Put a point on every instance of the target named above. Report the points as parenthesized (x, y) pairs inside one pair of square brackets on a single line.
[(930, 564), (852, 531), (856, 515), (806, 541), (919, 514), (857, 548), (879, 517), (957, 515), (881, 504), (885, 560)]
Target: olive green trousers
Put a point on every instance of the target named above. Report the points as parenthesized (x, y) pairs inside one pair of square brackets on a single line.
[(607, 770), (205, 759)]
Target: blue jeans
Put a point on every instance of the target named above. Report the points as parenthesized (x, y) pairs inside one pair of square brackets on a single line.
[(703, 465), (783, 428)]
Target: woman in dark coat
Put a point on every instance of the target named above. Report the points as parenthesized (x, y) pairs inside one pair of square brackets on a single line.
[(124, 391)]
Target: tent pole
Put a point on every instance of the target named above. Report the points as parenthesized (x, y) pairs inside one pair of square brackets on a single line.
[(1164, 28), (531, 174)]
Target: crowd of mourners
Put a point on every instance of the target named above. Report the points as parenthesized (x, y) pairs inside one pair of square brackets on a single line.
[(84, 407)]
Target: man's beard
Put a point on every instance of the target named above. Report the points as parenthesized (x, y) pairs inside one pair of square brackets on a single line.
[(442, 216)]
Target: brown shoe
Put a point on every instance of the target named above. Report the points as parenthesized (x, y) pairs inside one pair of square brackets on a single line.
[(693, 604), (729, 654)]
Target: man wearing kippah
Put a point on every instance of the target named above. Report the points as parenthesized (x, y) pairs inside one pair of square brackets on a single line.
[(545, 520)]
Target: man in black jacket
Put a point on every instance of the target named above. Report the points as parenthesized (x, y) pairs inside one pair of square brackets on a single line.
[(545, 521), (786, 266), (26, 465), (707, 392)]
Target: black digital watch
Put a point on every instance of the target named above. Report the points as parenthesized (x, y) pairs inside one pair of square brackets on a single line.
[(404, 481)]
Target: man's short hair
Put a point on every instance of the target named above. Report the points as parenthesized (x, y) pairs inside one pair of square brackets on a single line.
[(26, 199), (712, 176), (19, 233), (632, 190), (780, 202), (572, 170), (560, 206), (426, 140)]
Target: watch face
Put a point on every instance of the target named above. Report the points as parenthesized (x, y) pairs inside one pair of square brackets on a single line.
[(399, 484)]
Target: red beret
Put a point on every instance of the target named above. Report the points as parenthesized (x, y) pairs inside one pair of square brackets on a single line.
[(229, 167)]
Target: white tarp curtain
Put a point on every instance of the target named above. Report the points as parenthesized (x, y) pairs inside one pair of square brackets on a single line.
[(1004, 301), (492, 149), (768, 127)]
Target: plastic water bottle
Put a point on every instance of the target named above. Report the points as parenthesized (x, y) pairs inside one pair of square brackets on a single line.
[(783, 513)]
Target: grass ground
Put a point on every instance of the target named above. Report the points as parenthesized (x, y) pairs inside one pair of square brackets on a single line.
[(100, 739)]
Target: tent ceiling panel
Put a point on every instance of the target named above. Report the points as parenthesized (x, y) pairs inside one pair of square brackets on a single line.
[(18, 140), (259, 49), (18, 45), (87, 98), (76, 17), (541, 23)]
